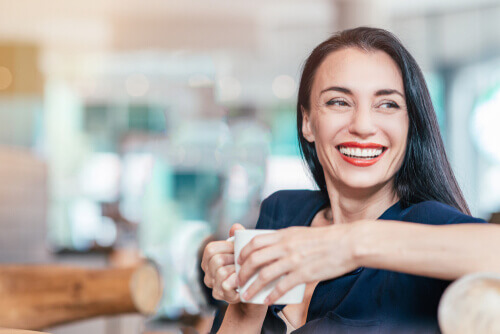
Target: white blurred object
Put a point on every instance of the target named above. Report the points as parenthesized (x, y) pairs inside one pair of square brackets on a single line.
[(200, 80), (228, 89), (471, 305), (107, 233), (137, 169), (100, 177), (284, 172), (489, 196), (238, 183), (484, 127), (137, 85), (89, 226), (284, 86)]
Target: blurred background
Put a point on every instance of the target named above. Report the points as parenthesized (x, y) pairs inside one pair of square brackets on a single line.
[(133, 128)]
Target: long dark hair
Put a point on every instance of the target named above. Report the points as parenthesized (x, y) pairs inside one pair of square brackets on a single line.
[(425, 173)]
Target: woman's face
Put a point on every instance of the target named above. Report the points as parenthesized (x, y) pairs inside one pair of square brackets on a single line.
[(358, 118)]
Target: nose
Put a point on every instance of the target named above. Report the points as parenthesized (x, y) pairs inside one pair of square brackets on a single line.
[(362, 124)]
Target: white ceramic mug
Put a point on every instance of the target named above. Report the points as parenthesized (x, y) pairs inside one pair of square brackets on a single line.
[(293, 296)]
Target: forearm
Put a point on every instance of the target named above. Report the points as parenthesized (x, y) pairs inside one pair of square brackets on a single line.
[(243, 318), (445, 252)]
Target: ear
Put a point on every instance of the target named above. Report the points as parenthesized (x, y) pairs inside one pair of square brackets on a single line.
[(307, 126)]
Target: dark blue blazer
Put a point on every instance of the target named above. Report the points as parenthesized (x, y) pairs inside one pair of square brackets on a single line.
[(366, 300)]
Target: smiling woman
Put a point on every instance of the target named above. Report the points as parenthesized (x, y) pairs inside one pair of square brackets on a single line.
[(362, 243), (356, 105)]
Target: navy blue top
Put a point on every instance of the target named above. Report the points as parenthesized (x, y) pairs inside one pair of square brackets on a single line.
[(365, 300)]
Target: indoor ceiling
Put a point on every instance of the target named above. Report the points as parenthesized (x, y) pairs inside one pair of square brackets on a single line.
[(253, 41)]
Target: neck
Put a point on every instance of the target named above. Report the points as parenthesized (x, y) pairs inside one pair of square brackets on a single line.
[(349, 205)]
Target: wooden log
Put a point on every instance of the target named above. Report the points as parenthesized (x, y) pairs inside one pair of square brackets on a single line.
[(37, 297), (146, 288)]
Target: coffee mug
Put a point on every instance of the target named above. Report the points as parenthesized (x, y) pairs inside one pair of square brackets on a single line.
[(293, 296)]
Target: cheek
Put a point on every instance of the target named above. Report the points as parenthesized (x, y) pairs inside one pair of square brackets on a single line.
[(397, 133), (396, 130), (327, 127)]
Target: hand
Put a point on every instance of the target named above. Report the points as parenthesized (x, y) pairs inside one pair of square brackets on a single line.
[(218, 265), (298, 255)]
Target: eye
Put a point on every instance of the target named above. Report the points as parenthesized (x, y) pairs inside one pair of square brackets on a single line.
[(391, 104), (337, 102)]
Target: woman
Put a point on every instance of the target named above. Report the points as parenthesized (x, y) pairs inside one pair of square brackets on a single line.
[(368, 132)]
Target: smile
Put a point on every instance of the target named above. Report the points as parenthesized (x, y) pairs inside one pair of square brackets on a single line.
[(361, 154)]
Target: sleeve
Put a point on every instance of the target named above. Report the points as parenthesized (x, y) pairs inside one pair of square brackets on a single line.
[(265, 221), (436, 213)]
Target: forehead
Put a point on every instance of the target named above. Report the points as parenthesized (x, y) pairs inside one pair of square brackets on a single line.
[(359, 70)]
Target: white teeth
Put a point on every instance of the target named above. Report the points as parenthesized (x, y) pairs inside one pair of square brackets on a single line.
[(360, 153)]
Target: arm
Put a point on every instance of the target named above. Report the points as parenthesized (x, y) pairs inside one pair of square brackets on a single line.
[(319, 253), (243, 318), (445, 252)]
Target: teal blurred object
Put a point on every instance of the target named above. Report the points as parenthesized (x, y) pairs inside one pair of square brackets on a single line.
[(173, 196), (284, 130), (177, 261), (196, 192), (106, 124), (147, 118), (205, 177), (435, 84)]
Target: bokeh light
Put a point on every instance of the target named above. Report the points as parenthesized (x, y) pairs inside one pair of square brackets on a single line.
[(484, 126), (229, 89), (137, 85), (284, 87)]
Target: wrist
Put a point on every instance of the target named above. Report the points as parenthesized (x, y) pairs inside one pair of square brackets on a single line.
[(248, 310), (243, 318), (360, 238)]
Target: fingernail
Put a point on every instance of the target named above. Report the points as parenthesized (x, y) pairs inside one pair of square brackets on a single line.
[(267, 300), (245, 296), (237, 281)]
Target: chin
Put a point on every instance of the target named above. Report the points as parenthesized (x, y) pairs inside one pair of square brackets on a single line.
[(362, 180), (361, 185)]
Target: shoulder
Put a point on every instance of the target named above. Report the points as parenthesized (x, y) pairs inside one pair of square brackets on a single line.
[(289, 208), (436, 213)]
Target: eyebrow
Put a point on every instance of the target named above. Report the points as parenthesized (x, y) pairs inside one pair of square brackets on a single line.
[(347, 91)]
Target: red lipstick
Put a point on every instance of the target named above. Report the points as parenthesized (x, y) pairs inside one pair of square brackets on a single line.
[(361, 162), (361, 145)]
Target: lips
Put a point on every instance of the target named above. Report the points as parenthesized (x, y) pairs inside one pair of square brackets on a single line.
[(361, 154)]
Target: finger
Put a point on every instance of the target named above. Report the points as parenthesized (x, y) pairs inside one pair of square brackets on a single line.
[(217, 294), (218, 261), (258, 242), (230, 283), (213, 248), (209, 281), (267, 275), (257, 260), (285, 284), (222, 274), (229, 288), (234, 228)]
